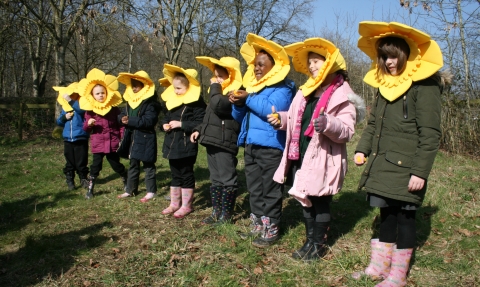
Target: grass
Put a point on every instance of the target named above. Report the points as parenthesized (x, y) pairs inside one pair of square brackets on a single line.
[(50, 236)]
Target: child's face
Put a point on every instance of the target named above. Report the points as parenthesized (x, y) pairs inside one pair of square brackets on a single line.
[(315, 62), (99, 94), (220, 75), (179, 87), (263, 65), (391, 64), (136, 86)]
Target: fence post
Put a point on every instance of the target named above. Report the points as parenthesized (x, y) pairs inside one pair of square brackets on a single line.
[(20, 121)]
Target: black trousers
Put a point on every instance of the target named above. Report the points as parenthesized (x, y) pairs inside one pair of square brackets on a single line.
[(182, 172), (134, 176), (76, 156), (222, 166), (265, 194), (320, 209), (112, 158)]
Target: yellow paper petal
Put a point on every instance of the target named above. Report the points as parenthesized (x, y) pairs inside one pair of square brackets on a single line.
[(87, 101), (234, 81)]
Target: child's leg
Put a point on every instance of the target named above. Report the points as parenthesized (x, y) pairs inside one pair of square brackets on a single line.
[(150, 180), (95, 169), (407, 230), (114, 160), (81, 161), (388, 224), (188, 185), (69, 169), (133, 175), (175, 186)]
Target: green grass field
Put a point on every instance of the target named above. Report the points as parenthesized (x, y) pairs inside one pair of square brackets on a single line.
[(50, 236)]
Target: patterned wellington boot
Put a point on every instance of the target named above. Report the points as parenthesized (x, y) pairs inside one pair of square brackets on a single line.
[(256, 228), (83, 180), (398, 273), (216, 195), (91, 187), (176, 197), (229, 196), (380, 261), (187, 200), (270, 234)]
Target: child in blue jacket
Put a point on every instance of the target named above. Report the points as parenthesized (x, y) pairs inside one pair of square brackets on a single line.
[(75, 138)]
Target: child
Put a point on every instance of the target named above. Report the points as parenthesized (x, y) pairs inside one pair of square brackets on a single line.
[(99, 97), (75, 139), (186, 110), (266, 86), (140, 137), (319, 123), (219, 133), (401, 139)]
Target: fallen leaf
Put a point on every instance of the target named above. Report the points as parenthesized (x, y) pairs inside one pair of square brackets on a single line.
[(239, 266), (465, 232), (86, 283), (154, 240), (258, 270), (442, 220), (116, 250), (456, 214)]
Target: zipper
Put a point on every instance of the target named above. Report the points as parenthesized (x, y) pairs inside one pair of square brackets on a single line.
[(405, 108), (223, 131), (174, 134), (71, 129)]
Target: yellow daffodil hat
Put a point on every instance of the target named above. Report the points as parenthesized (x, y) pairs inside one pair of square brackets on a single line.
[(334, 61), (234, 81), (164, 82), (134, 99), (193, 92), (424, 60), (87, 101), (69, 90), (279, 71)]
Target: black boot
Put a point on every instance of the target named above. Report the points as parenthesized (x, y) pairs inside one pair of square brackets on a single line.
[(300, 253), (216, 194), (124, 177), (69, 176), (229, 195), (91, 186), (83, 180), (320, 248)]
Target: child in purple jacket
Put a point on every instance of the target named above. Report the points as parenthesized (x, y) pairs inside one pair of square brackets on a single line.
[(102, 124)]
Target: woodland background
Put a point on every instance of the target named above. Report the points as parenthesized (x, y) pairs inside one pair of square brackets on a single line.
[(54, 43)]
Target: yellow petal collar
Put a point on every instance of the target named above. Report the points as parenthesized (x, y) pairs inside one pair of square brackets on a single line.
[(69, 90), (148, 90), (87, 101), (279, 70), (334, 61), (234, 81), (169, 96), (424, 60)]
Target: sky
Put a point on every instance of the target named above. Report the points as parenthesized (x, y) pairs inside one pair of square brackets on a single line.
[(345, 15)]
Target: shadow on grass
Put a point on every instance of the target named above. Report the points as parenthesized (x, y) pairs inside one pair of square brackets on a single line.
[(48, 256), (14, 215)]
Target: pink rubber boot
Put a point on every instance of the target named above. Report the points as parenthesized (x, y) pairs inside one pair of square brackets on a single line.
[(175, 197), (380, 260), (187, 200), (398, 272)]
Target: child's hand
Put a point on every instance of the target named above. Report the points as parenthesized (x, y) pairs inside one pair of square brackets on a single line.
[(416, 183), (194, 137), (69, 115), (91, 122), (359, 159), (238, 97), (320, 123), (274, 118), (125, 120), (166, 127), (175, 124)]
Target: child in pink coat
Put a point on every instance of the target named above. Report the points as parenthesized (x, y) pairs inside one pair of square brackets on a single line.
[(319, 123)]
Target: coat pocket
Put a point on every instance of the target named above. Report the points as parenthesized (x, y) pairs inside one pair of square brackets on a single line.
[(399, 159)]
